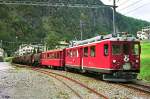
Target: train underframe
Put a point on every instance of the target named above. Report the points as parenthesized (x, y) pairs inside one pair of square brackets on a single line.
[(106, 75), (121, 76), (111, 75)]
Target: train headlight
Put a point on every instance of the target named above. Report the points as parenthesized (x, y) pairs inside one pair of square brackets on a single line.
[(137, 61), (114, 61), (127, 66)]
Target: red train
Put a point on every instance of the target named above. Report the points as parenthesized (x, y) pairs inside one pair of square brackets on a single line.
[(115, 59)]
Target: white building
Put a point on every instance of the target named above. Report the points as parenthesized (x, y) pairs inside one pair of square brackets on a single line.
[(144, 34), (27, 49), (1, 52)]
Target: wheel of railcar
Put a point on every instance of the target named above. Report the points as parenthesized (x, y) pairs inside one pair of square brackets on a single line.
[(65, 68), (82, 70), (50, 67), (100, 76)]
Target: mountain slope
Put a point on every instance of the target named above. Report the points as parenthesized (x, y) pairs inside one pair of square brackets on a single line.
[(34, 23)]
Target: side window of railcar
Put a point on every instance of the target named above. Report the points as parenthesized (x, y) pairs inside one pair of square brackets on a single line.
[(135, 49), (58, 55), (92, 51), (71, 53), (48, 55), (106, 50), (55, 55), (86, 52), (74, 53), (77, 53), (68, 53), (44, 56), (52, 55)]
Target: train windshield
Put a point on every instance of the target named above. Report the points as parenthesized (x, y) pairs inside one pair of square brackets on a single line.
[(116, 49), (126, 49), (135, 49)]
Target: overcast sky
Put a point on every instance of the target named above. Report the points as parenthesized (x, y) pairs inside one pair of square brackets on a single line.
[(139, 9)]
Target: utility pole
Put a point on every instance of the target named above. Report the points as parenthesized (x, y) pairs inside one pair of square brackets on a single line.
[(114, 17), (81, 28), (1, 44)]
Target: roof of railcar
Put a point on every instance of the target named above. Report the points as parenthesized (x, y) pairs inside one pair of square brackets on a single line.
[(56, 50), (106, 40)]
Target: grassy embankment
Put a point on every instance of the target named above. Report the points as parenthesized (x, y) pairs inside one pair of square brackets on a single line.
[(8, 59), (145, 61)]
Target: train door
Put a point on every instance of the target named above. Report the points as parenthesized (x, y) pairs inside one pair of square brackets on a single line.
[(81, 58), (85, 57), (103, 59), (89, 59), (76, 57), (92, 62), (61, 57)]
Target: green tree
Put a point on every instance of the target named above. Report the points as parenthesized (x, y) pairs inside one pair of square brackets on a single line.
[(52, 40)]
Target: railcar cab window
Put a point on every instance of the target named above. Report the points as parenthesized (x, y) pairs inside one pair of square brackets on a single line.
[(86, 52), (126, 49), (116, 49), (106, 50), (135, 49), (92, 51)]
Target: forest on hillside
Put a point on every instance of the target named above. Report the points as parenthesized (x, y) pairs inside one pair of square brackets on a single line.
[(20, 23)]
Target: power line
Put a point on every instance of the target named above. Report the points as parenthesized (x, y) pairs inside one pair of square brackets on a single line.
[(137, 8), (130, 5), (31, 3), (124, 2)]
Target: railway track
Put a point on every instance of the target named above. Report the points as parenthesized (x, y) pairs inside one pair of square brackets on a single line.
[(133, 86), (138, 86), (56, 75), (76, 93)]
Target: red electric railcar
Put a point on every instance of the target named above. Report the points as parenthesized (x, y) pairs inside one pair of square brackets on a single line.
[(115, 59)]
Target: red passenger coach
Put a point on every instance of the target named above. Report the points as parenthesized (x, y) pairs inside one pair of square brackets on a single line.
[(53, 58)]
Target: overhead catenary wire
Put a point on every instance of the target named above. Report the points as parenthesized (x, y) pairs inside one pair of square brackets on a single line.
[(131, 11), (134, 3), (126, 1)]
